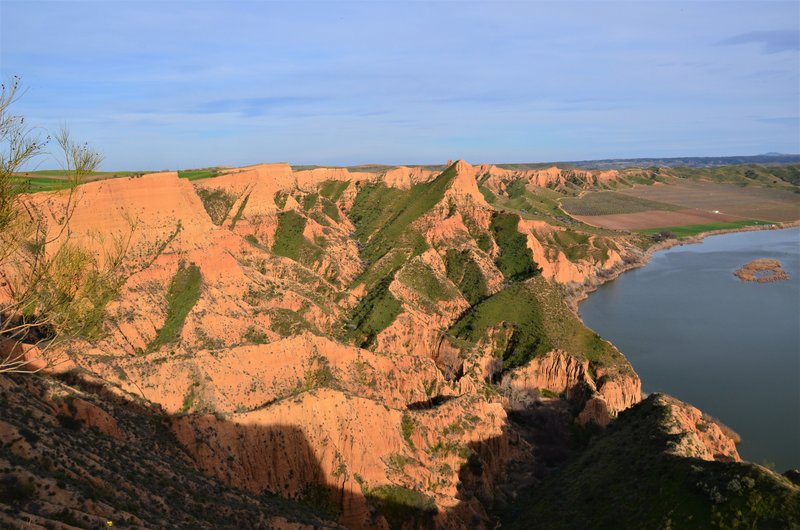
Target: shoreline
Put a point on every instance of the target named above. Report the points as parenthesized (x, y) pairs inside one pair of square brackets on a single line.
[(604, 276)]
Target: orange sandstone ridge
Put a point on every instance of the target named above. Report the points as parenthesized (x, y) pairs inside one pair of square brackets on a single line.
[(260, 386)]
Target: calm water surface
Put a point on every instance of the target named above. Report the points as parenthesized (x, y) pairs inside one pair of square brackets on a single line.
[(693, 330)]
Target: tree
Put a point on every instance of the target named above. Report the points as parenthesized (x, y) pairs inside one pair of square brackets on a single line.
[(51, 289)]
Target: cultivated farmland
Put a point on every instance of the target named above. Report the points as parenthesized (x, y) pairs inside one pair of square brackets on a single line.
[(684, 204), (743, 202), (609, 203)]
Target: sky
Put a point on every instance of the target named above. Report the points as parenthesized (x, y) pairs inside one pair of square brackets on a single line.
[(171, 84)]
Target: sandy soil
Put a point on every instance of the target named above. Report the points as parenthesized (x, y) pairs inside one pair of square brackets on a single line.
[(654, 219), (744, 202)]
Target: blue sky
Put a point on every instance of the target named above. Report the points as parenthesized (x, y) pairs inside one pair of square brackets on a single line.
[(168, 84)]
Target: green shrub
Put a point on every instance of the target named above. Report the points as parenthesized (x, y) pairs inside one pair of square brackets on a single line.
[(515, 259), (382, 215), (466, 274), (217, 203), (280, 198), (422, 280), (309, 201), (329, 208), (184, 292), (333, 189), (255, 336), (321, 375), (375, 312), (575, 245), (487, 194), (239, 211), (407, 426), (516, 309), (290, 242), (401, 506), (288, 323)]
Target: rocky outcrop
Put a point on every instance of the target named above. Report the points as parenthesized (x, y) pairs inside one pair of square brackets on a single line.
[(404, 177), (331, 445), (556, 371), (699, 435)]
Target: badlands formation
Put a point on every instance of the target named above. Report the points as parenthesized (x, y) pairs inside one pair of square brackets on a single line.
[(335, 348)]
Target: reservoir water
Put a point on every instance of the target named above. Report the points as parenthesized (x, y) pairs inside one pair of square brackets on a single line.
[(693, 330)]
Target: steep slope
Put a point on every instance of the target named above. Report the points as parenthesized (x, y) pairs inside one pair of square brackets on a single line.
[(391, 346), (79, 458), (652, 469)]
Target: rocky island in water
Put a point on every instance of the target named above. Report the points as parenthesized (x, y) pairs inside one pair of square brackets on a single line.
[(762, 271)]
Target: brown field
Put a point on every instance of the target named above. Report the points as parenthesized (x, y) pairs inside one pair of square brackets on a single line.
[(741, 202), (654, 219)]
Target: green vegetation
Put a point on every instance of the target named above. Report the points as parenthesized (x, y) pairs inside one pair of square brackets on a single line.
[(309, 201), (541, 203), (288, 323), (190, 398), (609, 202), (693, 230), (280, 198), (565, 330), (217, 203), (239, 211), (744, 174), (57, 179), (253, 335), (517, 311), (402, 506), (487, 194), (463, 271), (375, 312), (421, 279), (321, 375), (625, 479), (407, 427), (329, 208), (530, 319), (321, 498), (333, 189), (198, 174), (290, 242), (183, 294), (515, 260), (574, 244), (37, 184), (383, 215)]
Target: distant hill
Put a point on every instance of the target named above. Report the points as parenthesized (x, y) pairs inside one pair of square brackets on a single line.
[(700, 161)]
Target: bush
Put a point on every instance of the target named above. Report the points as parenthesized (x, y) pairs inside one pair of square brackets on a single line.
[(217, 203), (462, 270), (184, 292), (515, 260)]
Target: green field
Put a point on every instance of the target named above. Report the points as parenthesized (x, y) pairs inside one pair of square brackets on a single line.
[(609, 203), (56, 179), (197, 174), (693, 230)]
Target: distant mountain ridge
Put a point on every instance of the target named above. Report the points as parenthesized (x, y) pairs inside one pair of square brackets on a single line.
[(689, 161)]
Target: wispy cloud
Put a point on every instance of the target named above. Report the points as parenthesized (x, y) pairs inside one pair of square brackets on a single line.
[(252, 107), (789, 121), (772, 41)]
